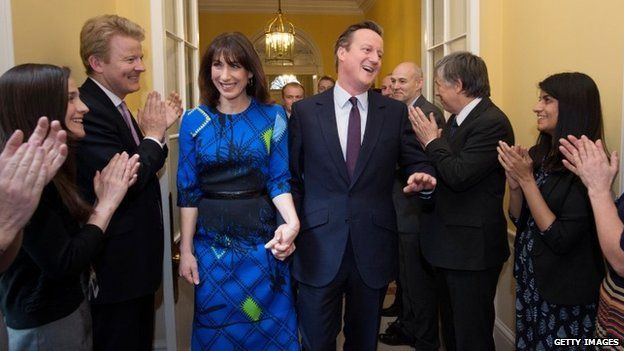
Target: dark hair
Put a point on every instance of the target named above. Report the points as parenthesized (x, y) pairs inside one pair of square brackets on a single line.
[(327, 78), (344, 40), (469, 69), (235, 48), (292, 84), (28, 92), (580, 113)]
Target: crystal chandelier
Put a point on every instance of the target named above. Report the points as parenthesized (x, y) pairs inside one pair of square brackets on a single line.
[(279, 40)]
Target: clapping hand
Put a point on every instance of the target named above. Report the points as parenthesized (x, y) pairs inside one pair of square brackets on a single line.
[(25, 169), (173, 108), (152, 118), (283, 243), (425, 128), (517, 163), (590, 162), (113, 182)]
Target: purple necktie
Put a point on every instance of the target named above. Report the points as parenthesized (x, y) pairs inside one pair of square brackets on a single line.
[(354, 136), (128, 118)]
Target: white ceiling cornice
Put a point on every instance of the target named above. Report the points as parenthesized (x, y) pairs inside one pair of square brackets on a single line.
[(327, 7)]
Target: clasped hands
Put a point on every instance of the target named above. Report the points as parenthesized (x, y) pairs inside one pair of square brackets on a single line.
[(157, 115), (283, 243)]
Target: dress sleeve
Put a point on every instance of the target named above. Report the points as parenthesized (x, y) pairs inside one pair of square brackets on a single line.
[(189, 192), (279, 175)]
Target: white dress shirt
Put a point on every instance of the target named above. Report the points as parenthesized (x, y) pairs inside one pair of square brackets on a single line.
[(342, 106), (461, 116), (116, 100)]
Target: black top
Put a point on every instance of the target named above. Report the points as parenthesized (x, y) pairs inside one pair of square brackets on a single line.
[(43, 283)]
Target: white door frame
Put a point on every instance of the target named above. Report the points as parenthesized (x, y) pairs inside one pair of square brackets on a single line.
[(7, 54), (158, 84)]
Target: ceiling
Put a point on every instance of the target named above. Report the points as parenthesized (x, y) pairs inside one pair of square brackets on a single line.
[(334, 7)]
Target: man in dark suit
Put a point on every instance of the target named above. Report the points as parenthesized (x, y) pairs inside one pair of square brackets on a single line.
[(464, 233), (129, 269), (417, 322), (345, 144)]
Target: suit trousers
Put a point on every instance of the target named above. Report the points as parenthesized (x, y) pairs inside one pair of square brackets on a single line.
[(320, 308), (419, 315), (126, 325), (467, 307)]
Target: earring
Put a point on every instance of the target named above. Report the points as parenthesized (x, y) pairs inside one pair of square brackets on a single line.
[(251, 82)]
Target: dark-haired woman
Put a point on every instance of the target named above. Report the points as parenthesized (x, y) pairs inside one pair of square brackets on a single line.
[(232, 174), (589, 160), (558, 265), (41, 294)]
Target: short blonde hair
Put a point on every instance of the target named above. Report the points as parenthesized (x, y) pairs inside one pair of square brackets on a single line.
[(97, 32)]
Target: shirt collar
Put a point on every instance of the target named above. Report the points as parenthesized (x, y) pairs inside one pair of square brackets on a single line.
[(341, 97), (414, 101), (461, 116), (114, 98)]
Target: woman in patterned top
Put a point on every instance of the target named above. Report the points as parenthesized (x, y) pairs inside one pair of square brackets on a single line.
[(232, 176), (590, 162), (558, 265)]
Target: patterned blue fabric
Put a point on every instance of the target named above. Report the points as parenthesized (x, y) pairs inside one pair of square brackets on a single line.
[(244, 300), (539, 323)]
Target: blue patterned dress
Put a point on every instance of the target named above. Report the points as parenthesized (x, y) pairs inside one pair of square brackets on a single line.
[(539, 323), (244, 299)]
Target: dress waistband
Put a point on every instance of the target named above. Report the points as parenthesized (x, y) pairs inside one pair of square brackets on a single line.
[(234, 195)]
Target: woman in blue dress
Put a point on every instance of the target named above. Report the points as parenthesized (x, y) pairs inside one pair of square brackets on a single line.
[(558, 264), (232, 176)]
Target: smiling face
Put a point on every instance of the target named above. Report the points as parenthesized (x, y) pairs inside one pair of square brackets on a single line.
[(76, 109), (449, 94), (230, 80), (547, 112), (359, 63), (291, 94), (406, 83), (121, 70)]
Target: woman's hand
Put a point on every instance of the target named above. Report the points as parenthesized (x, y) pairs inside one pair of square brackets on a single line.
[(589, 161), (283, 243), (188, 268), (517, 163), (113, 182)]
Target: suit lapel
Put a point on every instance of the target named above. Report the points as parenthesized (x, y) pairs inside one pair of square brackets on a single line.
[(112, 112), (374, 123), (326, 116)]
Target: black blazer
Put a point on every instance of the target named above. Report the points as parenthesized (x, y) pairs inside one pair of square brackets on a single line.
[(331, 207), (409, 206), (567, 259), (464, 226), (130, 265)]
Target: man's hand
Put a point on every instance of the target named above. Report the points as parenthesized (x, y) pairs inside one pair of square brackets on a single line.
[(152, 119), (425, 128), (420, 181), (173, 107)]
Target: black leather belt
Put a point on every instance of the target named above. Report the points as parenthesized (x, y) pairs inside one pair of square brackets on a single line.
[(234, 195)]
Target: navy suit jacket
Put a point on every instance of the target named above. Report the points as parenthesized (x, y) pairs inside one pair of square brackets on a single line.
[(332, 208), (130, 265)]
